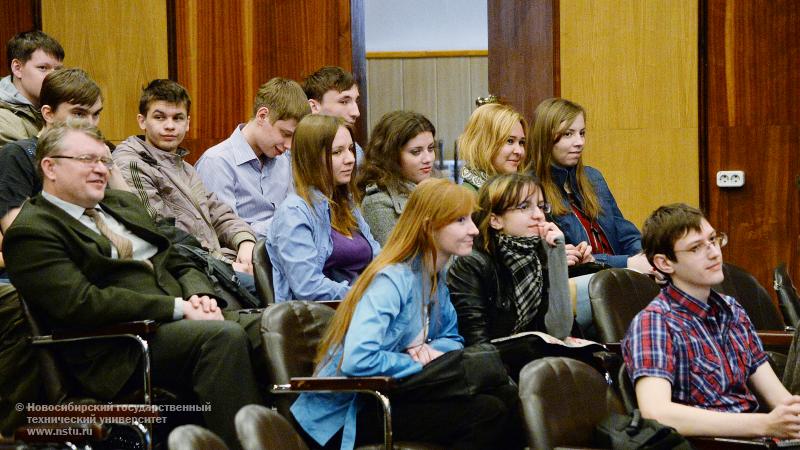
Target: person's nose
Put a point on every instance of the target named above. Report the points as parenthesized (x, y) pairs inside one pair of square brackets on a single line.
[(428, 156), (287, 142), (473, 230), (354, 111)]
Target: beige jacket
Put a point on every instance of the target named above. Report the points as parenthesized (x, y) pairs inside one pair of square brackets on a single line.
[(18, 118)]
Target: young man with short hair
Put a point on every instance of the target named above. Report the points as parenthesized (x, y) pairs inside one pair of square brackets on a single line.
[(169, 187), (250, 171), (30, 56), (65, 93), (695, 359), (334, 92)]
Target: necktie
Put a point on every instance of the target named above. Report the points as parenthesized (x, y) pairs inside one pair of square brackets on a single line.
[(124, 245)]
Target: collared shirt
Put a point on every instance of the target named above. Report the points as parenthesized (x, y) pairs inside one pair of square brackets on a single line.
[(252, 186), (707, 351), (141, 249)]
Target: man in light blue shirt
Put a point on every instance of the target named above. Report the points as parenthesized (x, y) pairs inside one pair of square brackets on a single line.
[(251, 170)]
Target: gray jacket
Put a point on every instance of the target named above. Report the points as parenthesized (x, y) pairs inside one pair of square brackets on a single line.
[(19, 119), (169, 187), (382, 209)]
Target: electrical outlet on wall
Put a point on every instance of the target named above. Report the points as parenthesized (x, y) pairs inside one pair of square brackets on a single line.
[(730, 178)]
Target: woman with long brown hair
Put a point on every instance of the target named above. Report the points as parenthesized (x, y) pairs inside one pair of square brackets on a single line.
[(318, 242), (396, 319)]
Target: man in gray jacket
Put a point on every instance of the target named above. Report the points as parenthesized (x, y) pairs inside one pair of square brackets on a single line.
[(31, 56), (154, 166)]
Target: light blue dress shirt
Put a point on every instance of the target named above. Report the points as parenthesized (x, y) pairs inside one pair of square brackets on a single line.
[(235, 174)]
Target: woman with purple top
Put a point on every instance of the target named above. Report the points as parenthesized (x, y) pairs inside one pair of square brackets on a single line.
[(319, 242)]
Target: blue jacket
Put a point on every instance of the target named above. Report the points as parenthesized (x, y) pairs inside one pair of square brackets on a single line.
[(299, 242), (623, 236), (386, 321)]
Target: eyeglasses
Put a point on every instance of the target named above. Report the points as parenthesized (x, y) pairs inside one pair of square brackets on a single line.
[(532, 207), (88, 159), (719, 241)]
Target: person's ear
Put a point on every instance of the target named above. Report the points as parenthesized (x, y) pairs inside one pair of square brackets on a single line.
[(48, 114), (315, 106), (140, 118), (16, 68), (188, 119), (496, 222), (262, 114), (663, 264), (47, 169)]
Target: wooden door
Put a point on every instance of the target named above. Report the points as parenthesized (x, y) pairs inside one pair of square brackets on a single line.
[(750, 121)]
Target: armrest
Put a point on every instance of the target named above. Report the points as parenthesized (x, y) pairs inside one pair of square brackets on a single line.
[(776, 338), (614, 347), (342, 384), (332, 303), (141, 327)]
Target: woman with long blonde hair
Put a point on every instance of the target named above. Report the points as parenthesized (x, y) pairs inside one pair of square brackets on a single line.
[(396, 319), (493, 142), (582, 204), (318, 241)]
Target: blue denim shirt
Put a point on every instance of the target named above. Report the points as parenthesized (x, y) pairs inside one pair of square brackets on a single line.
[(386, 321), (623, 236), (299, 242)]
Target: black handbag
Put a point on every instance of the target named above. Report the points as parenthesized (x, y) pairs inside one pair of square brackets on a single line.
[(457, 373), (632, 432)]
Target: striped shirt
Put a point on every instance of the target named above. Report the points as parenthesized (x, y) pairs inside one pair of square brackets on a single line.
[(707, 351)]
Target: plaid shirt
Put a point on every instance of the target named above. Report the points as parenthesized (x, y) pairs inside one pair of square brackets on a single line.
[(707, 351)]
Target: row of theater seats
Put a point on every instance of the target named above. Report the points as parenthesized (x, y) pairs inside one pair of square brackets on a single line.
[(563, 399)]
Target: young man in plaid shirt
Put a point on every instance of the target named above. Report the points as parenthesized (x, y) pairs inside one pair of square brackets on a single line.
[(692, 353)]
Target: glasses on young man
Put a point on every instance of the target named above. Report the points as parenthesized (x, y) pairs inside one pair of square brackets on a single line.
[(718, 241), (532, 207), (88, 159)]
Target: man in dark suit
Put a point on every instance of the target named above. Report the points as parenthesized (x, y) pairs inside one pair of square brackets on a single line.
[(84, 256)]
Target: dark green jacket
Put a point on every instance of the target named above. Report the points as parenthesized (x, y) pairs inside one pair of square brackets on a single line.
[(65, 272)]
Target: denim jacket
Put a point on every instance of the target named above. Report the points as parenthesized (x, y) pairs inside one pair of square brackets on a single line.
[(298, 244), (623, 236), (386, 321)]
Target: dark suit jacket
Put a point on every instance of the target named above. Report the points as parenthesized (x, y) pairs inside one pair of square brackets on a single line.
[(65, 272)]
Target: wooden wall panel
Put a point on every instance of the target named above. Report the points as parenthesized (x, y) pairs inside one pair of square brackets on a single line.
[(226, 50), (633, 66), (17, 16), (752, 123), (442, 88), (122, 44)]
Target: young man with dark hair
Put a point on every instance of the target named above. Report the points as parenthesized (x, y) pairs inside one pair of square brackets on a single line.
[(30, 56), (169, 187), (85, 256), (250, 171), (695, 359), (334, 92)]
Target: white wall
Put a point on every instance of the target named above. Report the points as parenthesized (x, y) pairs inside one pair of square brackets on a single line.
[(414, 25)]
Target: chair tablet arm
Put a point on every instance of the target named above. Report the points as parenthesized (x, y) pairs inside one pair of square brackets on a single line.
[(381, 384), (140, 327), (776, 338)]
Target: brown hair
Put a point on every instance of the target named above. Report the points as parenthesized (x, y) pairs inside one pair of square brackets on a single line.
[(497, 195), (52, 137), (284, 98), (665, 226), (23, 45), (485, 134), (433, 204), (382, 156), (69, 86), (166, 91), (325, 79), (551, 119), (312, 144)]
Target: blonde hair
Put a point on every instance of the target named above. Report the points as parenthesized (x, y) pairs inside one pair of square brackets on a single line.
[(496, 196), (284, 98), (485, 134), (312, 145), (432, 205), (552, 119)]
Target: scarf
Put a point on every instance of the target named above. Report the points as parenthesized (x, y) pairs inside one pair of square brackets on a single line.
[(474, 177), (520, 255)]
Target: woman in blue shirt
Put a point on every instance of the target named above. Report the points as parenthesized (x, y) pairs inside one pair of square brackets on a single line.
[(396, 319), (319, 242)]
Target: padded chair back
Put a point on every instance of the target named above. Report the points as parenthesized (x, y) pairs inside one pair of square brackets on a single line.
[(617, 295), (291, 332), (626, 390), (744, 287), (563, 400), (191, 437), (262, 273), (259, 428), (788, 298)]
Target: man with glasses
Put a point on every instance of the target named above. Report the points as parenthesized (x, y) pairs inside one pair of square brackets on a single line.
[(84, 256), (692, 353)]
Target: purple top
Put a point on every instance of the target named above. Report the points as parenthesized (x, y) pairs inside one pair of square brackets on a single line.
[(349, 257)]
